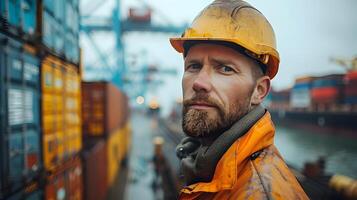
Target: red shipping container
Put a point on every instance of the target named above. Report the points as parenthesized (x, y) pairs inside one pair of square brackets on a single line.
[(74, 185), (329, 95), (66, 182), (95, 170), (55, 188), (140, 15), (352, 75), (350, 90), (104, 108)]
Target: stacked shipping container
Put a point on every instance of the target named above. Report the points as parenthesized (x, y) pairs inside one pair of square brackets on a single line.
[(327, 90), (60, 28), (105, 116), (278, 99), (326, 93), (60, 111), (18, 17), (66, 183), (95, 169), (350, 90), (105, 108), (39, 37), (300, 97), (20, 123)]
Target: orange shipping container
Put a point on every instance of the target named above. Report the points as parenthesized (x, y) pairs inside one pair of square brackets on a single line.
[(95, 170), (118, 144), (327, 95), (104, 108), (61, 111), (66, 183)]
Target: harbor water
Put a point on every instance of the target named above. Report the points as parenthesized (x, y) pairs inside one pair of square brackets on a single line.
[(300, 146)]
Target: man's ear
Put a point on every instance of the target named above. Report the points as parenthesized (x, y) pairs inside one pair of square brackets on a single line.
[(261, 90)]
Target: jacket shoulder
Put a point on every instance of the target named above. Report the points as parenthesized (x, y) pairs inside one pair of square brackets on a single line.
[(268, 178)]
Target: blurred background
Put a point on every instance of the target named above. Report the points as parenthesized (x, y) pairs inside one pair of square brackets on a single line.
[(90, 96)]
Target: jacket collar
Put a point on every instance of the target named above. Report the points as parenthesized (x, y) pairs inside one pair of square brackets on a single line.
[(258, 137)]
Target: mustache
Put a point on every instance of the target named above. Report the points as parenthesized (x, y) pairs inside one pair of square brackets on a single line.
[(202, 98)]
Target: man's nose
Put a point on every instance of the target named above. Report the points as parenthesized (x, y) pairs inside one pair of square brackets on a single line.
[(202, 83)]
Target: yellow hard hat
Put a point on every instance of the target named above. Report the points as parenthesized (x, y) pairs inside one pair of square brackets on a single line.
[(236, 22)]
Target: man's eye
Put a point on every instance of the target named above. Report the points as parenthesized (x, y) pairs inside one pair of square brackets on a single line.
[(226, 69), (193, 67)]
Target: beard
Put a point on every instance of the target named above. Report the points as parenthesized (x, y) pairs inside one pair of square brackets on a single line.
[(201, 123)]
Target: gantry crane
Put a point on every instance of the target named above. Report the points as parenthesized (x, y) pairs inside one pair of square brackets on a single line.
[(348, 64), (117, 72)]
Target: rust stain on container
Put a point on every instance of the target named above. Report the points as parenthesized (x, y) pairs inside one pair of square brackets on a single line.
[(66, 182)]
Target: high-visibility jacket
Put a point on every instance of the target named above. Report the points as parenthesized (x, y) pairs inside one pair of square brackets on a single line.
[(252, 168)]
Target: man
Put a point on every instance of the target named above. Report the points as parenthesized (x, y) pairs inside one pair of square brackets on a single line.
[(230, 57)]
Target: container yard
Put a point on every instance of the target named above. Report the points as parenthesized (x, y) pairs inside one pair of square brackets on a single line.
[(324, 103), (92, 98)]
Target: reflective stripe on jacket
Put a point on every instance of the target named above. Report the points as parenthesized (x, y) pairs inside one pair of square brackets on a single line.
[(252, 168)]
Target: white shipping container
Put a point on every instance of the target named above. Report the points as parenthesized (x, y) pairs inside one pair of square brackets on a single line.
[(300, 98)]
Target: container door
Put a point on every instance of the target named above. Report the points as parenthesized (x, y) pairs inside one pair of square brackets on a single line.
[(32, 152), (29, 16), (14, 12), (48, 29), (16, 158), (50, 150)]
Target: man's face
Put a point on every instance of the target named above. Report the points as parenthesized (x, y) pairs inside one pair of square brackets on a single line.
[(217, 89)]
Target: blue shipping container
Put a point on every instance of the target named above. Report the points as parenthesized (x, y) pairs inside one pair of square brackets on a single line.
[(61, 28), (21, 14), (20, 159), (351, 100), (29, 9), (23, 195), (13, 11), (302, 86), (327, 83), (48, 32)]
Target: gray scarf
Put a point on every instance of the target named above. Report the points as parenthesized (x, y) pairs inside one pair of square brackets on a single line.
[(198, 160)]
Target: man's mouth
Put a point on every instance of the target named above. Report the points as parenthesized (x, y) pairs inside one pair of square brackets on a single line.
[(201, 105)]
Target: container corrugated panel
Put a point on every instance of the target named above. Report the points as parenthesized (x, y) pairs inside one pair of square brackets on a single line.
[(27, 195), (350, 90), (305, 85), (20, 15), (351, 76), (326, 95), (280, 96), (19, 120), (66, 183), (117, 148), (61, 112), (61, 28), (56, 187), (113, 154), (72, 109), (73, 178), (104, 108), (29, 11), (300, 96), (333, 80), (351, 100), (95, 169), (48, 29)]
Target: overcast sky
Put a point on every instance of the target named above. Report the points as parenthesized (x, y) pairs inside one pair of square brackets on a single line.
[(308, 33)]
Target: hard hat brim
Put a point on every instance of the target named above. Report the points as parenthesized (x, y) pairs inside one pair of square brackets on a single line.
[(272, 63)]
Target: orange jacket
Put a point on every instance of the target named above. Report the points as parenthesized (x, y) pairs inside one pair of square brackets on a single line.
[(251, 168)]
